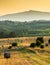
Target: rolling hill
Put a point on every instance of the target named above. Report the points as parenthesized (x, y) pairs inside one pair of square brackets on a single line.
[(26, 16), (24, 29)]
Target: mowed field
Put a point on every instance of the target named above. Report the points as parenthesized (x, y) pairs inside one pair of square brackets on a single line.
[(23, 54)]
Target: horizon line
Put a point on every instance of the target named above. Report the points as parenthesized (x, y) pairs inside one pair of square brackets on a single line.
[(25, 11)]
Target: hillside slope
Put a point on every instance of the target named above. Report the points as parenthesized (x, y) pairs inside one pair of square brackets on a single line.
[(27, 16)]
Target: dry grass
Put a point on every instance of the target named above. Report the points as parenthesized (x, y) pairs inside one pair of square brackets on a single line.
[(20, 58), (23, 55)]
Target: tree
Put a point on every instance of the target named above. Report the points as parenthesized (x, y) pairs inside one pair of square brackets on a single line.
[(38, 43), (42, 46), (3, 34), (40, 39), (33, 45), (49, 41), (14, 44), (12, 34)]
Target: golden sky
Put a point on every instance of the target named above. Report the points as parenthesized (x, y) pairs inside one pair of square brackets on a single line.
[(13, 6)]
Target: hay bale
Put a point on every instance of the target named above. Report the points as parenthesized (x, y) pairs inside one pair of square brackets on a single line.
[(7, 55)]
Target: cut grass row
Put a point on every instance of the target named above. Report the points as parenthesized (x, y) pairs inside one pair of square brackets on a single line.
[(25, 56)]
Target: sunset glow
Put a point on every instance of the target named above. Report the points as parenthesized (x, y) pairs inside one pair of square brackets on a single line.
[(14, 6)]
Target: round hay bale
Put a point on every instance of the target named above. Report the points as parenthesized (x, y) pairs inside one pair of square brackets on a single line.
[(7, 55)]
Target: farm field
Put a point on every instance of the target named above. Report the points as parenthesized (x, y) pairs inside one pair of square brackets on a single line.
[(23, 54), (26, 57)]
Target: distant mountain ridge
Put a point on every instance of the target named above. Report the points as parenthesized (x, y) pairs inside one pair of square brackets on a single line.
[(27, 16)]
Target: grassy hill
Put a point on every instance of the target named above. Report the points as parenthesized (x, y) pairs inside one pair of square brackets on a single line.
[(25, 29)]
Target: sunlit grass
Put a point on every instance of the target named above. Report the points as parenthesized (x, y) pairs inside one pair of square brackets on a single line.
[(24, 55)]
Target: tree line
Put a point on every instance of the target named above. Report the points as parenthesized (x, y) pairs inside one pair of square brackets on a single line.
[(21, 29)]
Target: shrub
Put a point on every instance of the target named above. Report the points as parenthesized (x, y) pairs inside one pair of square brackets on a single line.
[(49, 41), (14, 44), (40, 39), (2, 46), (38, 43), (32, 45), (9, 47), (42, 46), (46, 44)]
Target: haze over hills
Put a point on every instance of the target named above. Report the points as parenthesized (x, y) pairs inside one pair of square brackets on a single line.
[(26, 16)]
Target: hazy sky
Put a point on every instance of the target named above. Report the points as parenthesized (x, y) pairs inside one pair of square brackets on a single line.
[(13, 6)]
